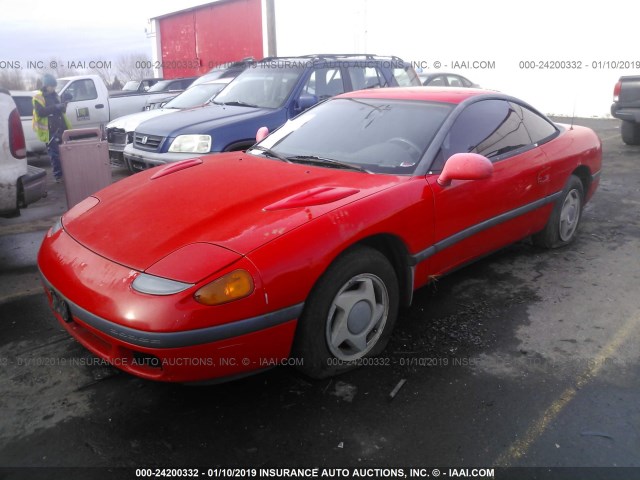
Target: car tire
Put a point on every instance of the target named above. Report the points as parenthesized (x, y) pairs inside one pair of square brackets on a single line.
[(349, 314), (562, 226), (630, 132)]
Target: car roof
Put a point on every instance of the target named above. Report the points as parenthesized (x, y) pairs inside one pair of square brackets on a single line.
[(26, 93), (426, 94), (175, 79), (434, 74), (218, 80), (353, 57)]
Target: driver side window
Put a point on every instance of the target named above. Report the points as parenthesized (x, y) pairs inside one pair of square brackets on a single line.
[(490, 127), (82, 90)]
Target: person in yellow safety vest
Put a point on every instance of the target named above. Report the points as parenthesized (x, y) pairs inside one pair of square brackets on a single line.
[(50, 120)]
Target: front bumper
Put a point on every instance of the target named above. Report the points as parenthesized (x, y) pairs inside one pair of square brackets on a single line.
[(92, 299), (138, 160), (118, 139)]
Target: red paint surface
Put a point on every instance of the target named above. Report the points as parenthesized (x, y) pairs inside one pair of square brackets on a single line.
[(202, 222)]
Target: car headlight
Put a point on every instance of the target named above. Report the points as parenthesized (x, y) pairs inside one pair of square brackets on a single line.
[(232, 286), (152, 285), (191, 144)]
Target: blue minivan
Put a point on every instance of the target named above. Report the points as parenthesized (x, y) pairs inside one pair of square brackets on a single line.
[(268, 93)]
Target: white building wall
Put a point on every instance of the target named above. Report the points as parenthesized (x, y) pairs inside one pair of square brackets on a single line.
[(591, 35)]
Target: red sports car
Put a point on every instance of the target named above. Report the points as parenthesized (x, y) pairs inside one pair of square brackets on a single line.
[(305, 246)]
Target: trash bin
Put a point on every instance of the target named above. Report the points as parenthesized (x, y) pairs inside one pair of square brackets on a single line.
[(84, 157)]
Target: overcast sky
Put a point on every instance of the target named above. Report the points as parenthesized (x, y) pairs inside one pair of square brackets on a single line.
[(78, 30), (497, 30)]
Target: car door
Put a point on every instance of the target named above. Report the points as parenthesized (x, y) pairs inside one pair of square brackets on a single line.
[(475, 217), (85, 110)]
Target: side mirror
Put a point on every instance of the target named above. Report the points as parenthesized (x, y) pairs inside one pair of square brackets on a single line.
[(465, 166), (261, 134), (66, 97), (305, 101)]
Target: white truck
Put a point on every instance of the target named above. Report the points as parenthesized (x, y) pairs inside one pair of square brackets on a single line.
[(91, 105), (20, 184)]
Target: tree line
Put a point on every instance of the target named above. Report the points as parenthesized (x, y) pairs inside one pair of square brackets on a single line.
[(114, 74)]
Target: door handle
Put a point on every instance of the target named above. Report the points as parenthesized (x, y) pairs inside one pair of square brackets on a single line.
[(100, 105)]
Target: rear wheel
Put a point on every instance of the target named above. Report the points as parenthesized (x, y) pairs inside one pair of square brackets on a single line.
[(563, 223), (349, 315), (630, 132)]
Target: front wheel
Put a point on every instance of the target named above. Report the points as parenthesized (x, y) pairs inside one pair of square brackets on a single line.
[(349, 314), (565, 217)]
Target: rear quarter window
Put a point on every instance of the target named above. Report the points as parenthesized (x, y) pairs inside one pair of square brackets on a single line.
[(364, 77), (539, 128), (24, 104), (406, 76)]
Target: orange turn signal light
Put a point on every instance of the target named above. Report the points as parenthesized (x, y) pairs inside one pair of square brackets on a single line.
[(232, 286)]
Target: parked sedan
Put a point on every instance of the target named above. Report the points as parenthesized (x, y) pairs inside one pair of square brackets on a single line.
[(440, 79), (307, 244)]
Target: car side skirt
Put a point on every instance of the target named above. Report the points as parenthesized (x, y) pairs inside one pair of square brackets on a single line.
[(475, 229)]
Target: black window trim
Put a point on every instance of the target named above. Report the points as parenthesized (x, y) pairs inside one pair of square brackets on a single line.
[(513, 153), (548, 138), (424, 167)]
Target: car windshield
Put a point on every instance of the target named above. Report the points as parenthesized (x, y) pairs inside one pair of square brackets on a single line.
[(377, 135), (160, 86), (264, 86), (207, 77), (194, 96), (131, 86)]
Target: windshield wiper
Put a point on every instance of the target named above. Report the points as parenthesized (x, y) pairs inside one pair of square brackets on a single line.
[(270, 153), (238, 103), (315, 160)]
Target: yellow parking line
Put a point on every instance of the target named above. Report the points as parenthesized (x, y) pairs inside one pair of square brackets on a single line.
[(520, 447)]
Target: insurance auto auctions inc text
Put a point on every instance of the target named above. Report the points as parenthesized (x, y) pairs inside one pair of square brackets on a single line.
[(358, 473)]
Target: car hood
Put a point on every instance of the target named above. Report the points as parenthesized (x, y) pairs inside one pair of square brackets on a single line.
[(235, 200), (200, 120), (130, 122)]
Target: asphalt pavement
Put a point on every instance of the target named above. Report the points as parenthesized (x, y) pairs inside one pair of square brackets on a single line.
[(527, 358)]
